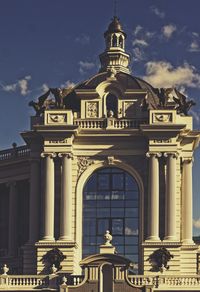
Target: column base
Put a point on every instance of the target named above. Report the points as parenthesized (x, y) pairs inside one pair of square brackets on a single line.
[(170, 238), (48, 238), (187, 241), (153, 238), (65, 238)]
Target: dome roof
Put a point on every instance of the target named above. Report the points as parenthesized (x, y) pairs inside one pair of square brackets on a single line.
[(129, 83), (114, 26)]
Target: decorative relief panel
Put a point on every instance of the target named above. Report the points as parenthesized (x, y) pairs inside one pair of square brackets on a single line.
[(92, 109), (162, 118), (83, 163), (58, 117)]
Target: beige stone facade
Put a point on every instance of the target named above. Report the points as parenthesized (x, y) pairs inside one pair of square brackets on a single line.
[(112, 120)]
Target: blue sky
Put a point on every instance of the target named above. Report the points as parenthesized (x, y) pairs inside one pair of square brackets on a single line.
[(57, 42)]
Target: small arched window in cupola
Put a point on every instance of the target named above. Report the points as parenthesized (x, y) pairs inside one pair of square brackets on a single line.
[(111, 105), (121, 42), (114, 41)]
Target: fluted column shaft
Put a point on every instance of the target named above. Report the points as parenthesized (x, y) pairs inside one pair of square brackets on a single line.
[(12, 233), (34, 207), (187, 201), (49, 196), (153, 214), (170, 211), (66, 197)]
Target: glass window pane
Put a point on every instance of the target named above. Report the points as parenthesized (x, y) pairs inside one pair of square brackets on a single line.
[(131, 212), (102, 225), (117, 195), (118, 240), (103, 182), (90, 212), (117, 212), (130, 183), (117, 203), (89, 227), (133, 204), (103, 195), (131, 195), (102, 204), (117, 226), (92, 184), (131, 240), (103, 212), (132, 249), (131, 226), (117, 181)]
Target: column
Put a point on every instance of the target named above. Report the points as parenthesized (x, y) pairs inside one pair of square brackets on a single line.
[(66, 197), (153, 203), (170, 194), (48, 196), (187, 201), (34, 206), (12, 233)]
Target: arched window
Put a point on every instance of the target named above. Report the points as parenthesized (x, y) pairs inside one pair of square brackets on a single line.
[(111, 105), (114, 41), (111, 202), (121, 42)]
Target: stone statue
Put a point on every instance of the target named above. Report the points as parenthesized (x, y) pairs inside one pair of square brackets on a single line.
[(183, 106), (163, 95), (39, 106)]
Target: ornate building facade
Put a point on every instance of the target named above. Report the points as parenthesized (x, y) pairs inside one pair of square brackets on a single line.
[(113, 153)]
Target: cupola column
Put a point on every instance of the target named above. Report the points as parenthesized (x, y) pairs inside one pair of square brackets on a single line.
[(187, 201), (12, 235), (170, 194), (34, 200), (153, 212), (49, 196), (66, 197)]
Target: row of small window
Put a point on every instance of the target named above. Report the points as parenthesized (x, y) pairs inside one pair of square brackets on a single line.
[(107, 181), (111, 212), (110, 195), (117, 240), (117, 226), (113, 204)]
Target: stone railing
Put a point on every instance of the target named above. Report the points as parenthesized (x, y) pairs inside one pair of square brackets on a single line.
[(109, 123), (16, 152), (23, 281), (166, 281), (29, 282)]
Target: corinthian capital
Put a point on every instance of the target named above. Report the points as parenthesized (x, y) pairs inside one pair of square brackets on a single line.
[(156, 154), (172, 154), (68, 155), (48, 154)]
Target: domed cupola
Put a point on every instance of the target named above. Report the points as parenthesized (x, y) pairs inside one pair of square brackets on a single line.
[(115, 57)]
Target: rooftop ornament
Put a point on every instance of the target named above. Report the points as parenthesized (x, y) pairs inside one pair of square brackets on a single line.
[(43, 102)]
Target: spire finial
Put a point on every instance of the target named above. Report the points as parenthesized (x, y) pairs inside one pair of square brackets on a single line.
[(115, 8)]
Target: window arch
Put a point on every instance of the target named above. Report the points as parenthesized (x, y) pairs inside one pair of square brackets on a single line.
[(111, 105), (111, 202)]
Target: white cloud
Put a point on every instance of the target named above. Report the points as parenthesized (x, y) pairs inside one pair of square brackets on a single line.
[(168, 30), (85, 66), (194, 46), (137, 30), (138, 54), (196, 223), (21, 84), (44, 87), (83, 39), (9, 87), (67, 84), (158, 12), (140, 42), (163, 74)]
